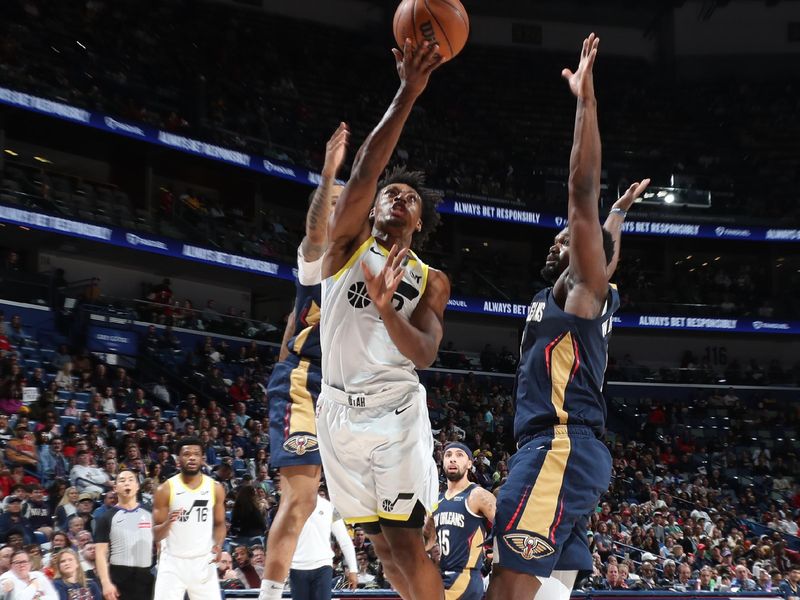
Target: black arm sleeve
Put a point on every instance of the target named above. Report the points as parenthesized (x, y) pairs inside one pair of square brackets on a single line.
[(102, 532)]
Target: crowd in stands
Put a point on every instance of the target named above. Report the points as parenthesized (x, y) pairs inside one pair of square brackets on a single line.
[(682, 512), (257, 95)]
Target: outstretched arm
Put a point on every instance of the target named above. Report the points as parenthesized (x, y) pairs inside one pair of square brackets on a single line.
[(414, 66), (316, 239), (587, 260), (616, 217)]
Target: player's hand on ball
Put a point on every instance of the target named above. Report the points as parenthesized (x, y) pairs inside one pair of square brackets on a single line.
[(382, 286), (635, 191), (581, 82), (416, 63)]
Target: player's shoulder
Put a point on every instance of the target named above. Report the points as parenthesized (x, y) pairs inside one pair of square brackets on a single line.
[(480, 497), (438, 284)]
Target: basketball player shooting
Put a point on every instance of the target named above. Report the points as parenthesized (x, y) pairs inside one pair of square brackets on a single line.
[(562, 466), (382, 314), (189, 514), (295, 383)]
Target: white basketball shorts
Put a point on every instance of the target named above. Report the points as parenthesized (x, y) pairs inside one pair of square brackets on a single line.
[(377, 453), (178, 576)]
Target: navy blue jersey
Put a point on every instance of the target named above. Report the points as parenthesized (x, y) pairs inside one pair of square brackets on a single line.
[(562, 362), (460, 533), (305, 343)]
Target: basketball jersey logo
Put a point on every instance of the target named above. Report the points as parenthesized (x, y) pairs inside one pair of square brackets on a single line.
[(358, 297), (529, 546), (202, 512)]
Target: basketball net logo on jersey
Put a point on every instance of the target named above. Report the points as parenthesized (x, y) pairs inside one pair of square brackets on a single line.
[(202, 511)]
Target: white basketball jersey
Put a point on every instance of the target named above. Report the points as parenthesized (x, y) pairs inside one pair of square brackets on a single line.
[(192, 534), (358, 356)]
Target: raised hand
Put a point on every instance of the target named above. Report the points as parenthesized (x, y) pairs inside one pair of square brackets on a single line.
[(335, 150), (415, 64), (581, 82), (382, 286), (635, 191)]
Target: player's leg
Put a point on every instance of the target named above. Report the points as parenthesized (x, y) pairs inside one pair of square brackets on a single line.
[(410, 559), (507, 583), (299, 487), (406, 484), (203, 581), (170, 584), (293, 389), (390, 569), (558, 586)]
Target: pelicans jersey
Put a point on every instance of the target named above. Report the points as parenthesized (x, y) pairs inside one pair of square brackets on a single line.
[(461, 534), (373, 426), (360, 357), (562, 363), (561, 466), (186, 562), (294, 385), (305, 343)]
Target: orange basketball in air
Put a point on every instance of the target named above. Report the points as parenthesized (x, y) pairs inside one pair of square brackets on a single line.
[(439, 21)]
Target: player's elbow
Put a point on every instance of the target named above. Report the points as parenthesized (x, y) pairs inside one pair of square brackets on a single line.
[(425, 358)]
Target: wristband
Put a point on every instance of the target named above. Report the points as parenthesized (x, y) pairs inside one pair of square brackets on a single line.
[(621, 211)]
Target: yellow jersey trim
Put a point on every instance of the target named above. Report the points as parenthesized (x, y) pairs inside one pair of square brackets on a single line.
[(369, 519), (356, 255)]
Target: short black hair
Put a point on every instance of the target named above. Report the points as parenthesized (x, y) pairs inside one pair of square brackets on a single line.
[(608, 245), (190, 440), (430, 200)]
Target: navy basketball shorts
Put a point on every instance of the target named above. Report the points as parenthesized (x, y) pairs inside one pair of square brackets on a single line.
[(555, 482), (292, 393), (463, 585)]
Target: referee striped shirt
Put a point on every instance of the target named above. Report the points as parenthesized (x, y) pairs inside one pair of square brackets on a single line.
[(129, 535)]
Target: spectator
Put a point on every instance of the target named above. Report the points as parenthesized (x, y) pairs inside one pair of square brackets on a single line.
[(790, 587), (13, 521), (742, 581), (87, 478), (70, 578), (37, 511), (228, 580), (247, 518), (26, 584), (613, 580), (248, 574), (67, 507)]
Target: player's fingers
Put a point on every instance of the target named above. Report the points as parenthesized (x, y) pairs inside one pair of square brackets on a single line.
[(592, 56), (398, 57), (567, 74), (435, 61), (399, 258), (642, 187)]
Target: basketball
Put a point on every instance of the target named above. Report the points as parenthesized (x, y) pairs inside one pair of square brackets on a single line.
[(444, 22)]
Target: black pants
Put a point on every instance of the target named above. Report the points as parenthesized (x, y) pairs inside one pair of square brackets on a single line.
[(133, 583), (311, 585)]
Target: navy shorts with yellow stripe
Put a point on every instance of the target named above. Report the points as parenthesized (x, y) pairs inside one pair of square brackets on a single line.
[(463, 585), (292, 392), (555, 481)]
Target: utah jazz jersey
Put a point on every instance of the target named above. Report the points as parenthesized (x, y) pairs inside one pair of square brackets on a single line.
[(460, 533), (305, 343), (359, 355), (562, 363), (192, 534)]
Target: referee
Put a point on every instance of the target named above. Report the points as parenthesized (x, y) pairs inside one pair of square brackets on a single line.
[(124, 544)]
